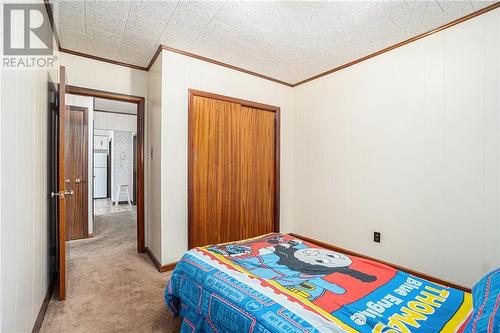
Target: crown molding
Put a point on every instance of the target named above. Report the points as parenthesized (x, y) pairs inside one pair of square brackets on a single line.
[(114, 62), (216, 62)]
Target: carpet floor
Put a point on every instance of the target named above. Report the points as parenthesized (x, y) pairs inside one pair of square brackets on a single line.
[(111, 287)]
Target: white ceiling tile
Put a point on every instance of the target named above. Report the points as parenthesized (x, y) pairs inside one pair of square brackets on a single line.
[(107, 16), (74, 41), (188, 21), (407, 15), (456, 8), (103, 37), (133, 55), (481, 4), (152, 11), (138, 40), (74, 15), (145, 28), (288, 40), (149, 18)]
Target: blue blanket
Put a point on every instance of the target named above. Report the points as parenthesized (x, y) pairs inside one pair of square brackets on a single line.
[(278, 283), (486, 301)]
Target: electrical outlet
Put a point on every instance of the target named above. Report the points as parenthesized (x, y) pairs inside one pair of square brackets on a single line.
[(376, 237)]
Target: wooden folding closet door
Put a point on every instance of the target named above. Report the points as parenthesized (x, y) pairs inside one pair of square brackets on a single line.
[(233, 169)]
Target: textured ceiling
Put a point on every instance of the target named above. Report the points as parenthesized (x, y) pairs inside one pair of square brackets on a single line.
[(290, 41)]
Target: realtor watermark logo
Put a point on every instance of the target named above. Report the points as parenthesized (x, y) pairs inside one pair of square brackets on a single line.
[(27, 37)]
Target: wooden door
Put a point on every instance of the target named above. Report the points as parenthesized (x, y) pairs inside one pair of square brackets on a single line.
[(76, 172), (52, 183), (233, 169), (64, 191)]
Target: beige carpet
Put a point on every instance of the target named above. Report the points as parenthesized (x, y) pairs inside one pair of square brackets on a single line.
[(111, 287)]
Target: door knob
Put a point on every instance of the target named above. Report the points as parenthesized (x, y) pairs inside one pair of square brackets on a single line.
[(78, 180), (62, 194), (57, 194)]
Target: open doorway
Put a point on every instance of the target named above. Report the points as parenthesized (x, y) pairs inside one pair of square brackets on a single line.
[(115, 189), (114, 184)]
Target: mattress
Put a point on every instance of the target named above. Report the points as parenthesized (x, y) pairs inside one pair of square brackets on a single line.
[(279, 283)]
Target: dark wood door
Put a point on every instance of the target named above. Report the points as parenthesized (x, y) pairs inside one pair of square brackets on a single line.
[(53, 167), (233, 169), (76, 172), (64, 191)]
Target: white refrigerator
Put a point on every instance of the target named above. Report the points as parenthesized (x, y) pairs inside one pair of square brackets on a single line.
[(100, 175)]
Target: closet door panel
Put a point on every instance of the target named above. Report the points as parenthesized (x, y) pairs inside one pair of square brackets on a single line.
[(255, 171), (214, 185)]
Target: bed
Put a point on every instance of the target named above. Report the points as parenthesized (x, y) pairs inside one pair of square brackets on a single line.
[(280, 283)]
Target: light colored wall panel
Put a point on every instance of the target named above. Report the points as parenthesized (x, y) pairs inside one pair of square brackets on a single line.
[(406, 143), (118, 121), (100, 120), (132, 124), (115, 121), (23, 223), (100, 75), (153, 153), (24, 261), (179, 74)]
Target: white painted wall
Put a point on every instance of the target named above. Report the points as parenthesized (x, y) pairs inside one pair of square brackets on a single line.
[(407, 144), (24, 195), (115, 121), (153, 155), (110, 105), (179, 74), (89, 73)]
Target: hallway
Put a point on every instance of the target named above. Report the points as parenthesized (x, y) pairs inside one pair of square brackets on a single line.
[(111, 288)]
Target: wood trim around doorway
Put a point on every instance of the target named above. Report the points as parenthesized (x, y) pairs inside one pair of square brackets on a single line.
[(140, 101), (191, 94)]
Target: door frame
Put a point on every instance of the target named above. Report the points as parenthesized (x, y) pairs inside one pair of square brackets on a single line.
[(85, 194), (266, 107), (140, 101)]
